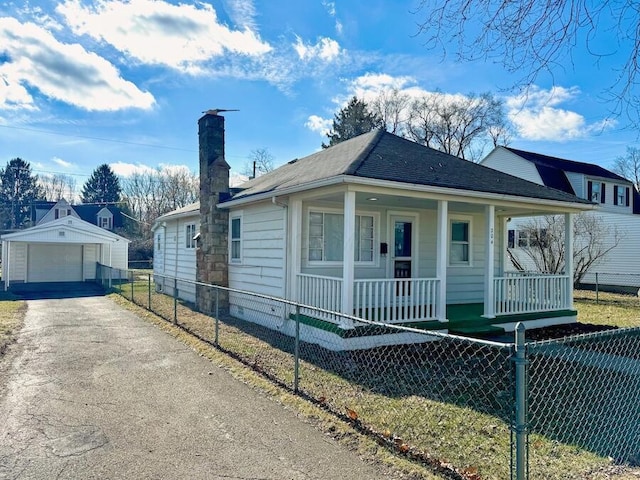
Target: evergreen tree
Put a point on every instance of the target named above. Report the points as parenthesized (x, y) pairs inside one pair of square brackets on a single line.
[(102, 187), (353, 120), (18, 190)]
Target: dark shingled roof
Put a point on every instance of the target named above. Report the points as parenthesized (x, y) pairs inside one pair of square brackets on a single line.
[(383, 156), (551, 169)]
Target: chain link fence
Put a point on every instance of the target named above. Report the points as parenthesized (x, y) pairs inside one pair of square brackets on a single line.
[(468, 408), (612, 282)]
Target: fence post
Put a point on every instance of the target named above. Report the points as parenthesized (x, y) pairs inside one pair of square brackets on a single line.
[(175, 300), (149, 289), (520, 420), (597, 289), (133, 277), (296, 353), (217, 316), (110, 276)]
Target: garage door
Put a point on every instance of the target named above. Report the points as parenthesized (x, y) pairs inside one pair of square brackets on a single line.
[(54, 263)]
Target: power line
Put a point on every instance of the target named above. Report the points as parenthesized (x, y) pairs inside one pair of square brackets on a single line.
[(88, 137)]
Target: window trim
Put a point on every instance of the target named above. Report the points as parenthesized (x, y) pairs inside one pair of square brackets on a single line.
[(189, 235), (460, 219), (235, 260), (359, 213)]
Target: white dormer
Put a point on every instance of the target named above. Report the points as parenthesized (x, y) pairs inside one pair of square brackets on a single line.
[(62, 208), (105, 219)]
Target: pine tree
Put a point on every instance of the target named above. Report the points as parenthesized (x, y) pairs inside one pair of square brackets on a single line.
[(19, 189), (353, 120), (102, 187)]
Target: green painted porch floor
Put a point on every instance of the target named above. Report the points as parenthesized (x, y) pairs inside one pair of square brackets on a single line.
[(464, 319)]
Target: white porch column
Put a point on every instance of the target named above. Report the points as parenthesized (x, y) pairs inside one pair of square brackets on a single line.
[(568, 255), (294, 253), (348, 257), (442, 230), (489, 261)]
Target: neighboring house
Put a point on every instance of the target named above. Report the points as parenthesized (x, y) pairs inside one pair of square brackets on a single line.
[(62, 249), (174, 252), (377, 227), (616, 197), (108, 217)]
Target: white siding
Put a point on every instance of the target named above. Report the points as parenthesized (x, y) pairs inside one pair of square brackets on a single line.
[(174, 259), (90, 258), (578, 183), (262, 268), (505, 161), (465, 284), (17, 262)]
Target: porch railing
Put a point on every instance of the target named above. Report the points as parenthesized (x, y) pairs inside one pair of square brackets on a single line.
[(384, 300), (528, 294), (396, 299), (320, 292)]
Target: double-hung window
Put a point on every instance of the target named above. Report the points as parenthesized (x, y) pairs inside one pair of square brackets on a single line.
[(326, 237), (460, 246), (189, 235), (235, 242), (621, 195)]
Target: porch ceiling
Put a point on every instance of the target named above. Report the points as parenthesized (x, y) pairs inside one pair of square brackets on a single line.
[(403, 202)]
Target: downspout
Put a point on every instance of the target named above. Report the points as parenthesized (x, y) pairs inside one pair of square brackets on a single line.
[(285, 231)]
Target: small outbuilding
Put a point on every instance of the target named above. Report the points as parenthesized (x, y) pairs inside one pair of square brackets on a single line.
[(66, 249)]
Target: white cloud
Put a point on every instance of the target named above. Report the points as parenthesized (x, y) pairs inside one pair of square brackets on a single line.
[(156, 32), (236, 179), (319, 124), (62, 163), (65, 72), (124, 169), (243, 12), (325, 49), (537, 115)]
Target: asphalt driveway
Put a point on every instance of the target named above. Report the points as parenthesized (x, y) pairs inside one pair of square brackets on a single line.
[(92, 391)]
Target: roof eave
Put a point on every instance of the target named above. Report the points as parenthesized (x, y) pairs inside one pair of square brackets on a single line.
[(445, 191)]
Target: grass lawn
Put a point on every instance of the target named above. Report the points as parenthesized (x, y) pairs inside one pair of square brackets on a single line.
[(423, 408), (11, 317), (610, 309)]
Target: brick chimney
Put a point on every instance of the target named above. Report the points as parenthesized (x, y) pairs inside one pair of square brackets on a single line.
[(212, 253)]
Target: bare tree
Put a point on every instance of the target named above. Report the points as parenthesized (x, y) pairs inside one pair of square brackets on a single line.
[(459, 125), (534, 37), (57, 186), (260, 162), (392, 107), (542, 240), (154, 193), (628, 166)]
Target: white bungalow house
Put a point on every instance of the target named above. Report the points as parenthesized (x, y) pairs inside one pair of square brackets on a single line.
[(174, 256), (378, 227), (60, 248), (618, 212)]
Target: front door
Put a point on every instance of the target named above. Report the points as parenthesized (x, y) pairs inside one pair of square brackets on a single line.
[(402, 252)]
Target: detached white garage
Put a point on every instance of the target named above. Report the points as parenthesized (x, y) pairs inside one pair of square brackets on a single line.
[(63, 250)]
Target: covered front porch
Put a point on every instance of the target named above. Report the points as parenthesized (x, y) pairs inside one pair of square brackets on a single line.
[(428, 261)]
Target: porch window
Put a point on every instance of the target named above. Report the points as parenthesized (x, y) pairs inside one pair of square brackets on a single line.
[(326, 237), (236, 239), (460, 244), (190, 233)]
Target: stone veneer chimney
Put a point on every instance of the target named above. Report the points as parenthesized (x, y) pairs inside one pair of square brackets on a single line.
[(212, 253)]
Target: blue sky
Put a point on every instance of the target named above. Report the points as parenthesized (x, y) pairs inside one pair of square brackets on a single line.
[(124, 83)]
